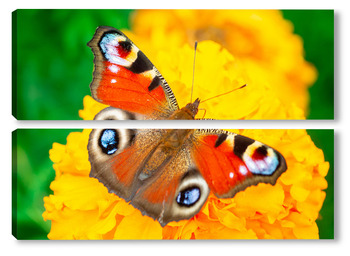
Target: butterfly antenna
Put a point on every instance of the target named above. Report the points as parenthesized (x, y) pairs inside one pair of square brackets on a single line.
[(224, 93), (194, 64)]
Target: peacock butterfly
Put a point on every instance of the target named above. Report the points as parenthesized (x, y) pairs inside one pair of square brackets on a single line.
[(165, 173)]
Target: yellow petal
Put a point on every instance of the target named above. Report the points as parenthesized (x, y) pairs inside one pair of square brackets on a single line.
[(57, 152), (136, 226), (224, 233), (78, 192), (298, 193), (306, 232), (263, 198), (124, 208)]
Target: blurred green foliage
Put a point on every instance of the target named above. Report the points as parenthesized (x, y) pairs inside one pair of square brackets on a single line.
[(316, 27), (52, 68), (32, 173), (324, 139), (52, 63)]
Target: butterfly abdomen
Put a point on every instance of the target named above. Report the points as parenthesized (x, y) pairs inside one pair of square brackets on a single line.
[(158, 159)]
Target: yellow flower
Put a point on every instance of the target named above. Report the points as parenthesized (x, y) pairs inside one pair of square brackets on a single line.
[(218, 71), (261, 40), (81, 207)]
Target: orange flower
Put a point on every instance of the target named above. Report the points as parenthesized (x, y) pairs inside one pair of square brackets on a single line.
[(218, 71), (81, 207), (236, 47), (260, 39)]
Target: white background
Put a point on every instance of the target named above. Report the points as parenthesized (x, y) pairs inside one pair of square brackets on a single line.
[(339, 246)]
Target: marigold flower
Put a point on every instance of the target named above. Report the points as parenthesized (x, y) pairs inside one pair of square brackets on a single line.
[(81, 207), (261, 39), (218, 71)]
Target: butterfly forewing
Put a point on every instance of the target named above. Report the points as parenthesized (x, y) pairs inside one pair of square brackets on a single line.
[(230, 162), (124, 77)]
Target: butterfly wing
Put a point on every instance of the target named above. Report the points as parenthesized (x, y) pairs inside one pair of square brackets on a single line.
[(177, 191), (124, 77), (139, 166), (113, 155), (230, 162)]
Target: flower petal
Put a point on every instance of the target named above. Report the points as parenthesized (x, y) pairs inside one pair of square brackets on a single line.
[(136, 226)]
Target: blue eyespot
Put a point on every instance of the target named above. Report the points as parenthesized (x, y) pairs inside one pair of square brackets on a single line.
[(189, 196), (109, 141)]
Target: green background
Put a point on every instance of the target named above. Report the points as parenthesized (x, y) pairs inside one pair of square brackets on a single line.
[(49, 84), (52, 65), (317, 31)]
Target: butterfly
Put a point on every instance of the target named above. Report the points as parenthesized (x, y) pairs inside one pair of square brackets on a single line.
[(165, 173)]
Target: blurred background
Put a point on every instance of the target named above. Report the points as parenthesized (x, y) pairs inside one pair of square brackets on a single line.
[(42, 72)]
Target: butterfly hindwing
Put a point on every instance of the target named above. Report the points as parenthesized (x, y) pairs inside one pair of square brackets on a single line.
[(140, 166), (176, 191), (230, 162), (114, 158), (125, 78), (170, 181)]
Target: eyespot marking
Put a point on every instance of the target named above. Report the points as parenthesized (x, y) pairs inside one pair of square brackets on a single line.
[(260, 152), (109, 141), (188, 196), (240, 145), (115, 49), (126, 45)]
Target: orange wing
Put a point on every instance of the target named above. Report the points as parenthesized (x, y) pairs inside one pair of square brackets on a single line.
[(124, 77), (230, 162), (160, 183)]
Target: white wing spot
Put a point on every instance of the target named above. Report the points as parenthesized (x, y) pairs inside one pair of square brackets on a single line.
[(114, 69), (243, 170)]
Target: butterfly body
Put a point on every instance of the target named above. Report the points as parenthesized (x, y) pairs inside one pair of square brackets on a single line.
[(166, 173), (188, 112)]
